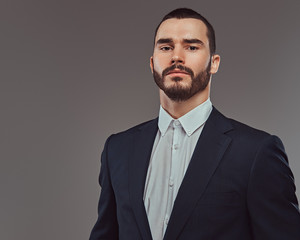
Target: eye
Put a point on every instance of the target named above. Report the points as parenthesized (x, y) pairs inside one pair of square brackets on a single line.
[(165, 48), (192, 48)]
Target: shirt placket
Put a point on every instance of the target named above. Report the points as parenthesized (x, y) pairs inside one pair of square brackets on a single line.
[(174, 149)]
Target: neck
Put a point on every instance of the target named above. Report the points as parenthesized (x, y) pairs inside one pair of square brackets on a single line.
[(178, 109)]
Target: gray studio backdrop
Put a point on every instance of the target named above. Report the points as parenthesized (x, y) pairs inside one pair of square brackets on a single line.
[(74, 72)]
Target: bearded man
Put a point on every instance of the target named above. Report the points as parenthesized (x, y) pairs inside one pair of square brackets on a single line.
[(192, 173)]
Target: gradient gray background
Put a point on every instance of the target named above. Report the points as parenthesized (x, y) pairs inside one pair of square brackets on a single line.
[(74, 72)]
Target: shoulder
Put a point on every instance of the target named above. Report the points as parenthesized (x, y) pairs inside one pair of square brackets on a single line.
[(128, 134), (261, 138), (244, 134), (237, 128), (244, 129), (136, 128)]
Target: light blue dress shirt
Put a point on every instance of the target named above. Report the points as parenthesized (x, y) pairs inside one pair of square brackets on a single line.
[(171, 153)]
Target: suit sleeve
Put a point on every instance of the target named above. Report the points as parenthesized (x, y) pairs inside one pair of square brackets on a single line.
[(106, 227), (272, 203)]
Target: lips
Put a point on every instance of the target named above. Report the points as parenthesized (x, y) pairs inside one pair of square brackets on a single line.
[(177, 72)]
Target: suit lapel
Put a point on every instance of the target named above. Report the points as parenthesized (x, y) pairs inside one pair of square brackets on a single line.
[(207, 154), (138, 165)]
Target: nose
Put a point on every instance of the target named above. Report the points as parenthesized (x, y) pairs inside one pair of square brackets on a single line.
[(177, 57)]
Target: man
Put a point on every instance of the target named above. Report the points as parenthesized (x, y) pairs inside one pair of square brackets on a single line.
[(193, 173)]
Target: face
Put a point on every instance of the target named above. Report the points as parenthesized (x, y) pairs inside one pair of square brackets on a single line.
[(181, 63)]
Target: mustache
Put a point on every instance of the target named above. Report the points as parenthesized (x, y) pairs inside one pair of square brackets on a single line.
[(177, 66)]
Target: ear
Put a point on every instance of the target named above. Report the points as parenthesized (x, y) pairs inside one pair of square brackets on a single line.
[(215, 62), (151, 63)]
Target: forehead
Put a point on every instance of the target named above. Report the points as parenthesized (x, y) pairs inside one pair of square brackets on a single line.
[(185, 28)]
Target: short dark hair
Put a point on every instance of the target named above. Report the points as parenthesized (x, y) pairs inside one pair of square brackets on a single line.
[(181, 13)]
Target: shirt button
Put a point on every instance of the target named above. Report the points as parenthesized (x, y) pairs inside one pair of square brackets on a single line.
[(166, 220), (177, 123), (171, 183), (176, 146)]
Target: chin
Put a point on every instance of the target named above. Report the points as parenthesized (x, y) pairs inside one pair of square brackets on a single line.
[(180, 83)]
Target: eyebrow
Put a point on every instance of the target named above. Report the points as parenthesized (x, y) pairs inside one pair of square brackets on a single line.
[(193, 40), (185, 40), (164, 40)]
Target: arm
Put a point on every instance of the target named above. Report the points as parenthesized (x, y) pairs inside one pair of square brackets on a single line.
[(272, 203), (106, 226)]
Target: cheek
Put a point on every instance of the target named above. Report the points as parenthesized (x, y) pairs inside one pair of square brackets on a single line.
[(199, 65), (201, 59), (157, 67), (160, 63)]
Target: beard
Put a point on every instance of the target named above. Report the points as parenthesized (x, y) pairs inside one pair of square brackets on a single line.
[(177, 92)]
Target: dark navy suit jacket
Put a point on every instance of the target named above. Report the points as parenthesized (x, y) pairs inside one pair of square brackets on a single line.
[(238, 186)]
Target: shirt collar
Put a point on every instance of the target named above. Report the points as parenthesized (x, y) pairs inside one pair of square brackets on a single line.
[(190, 122)]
